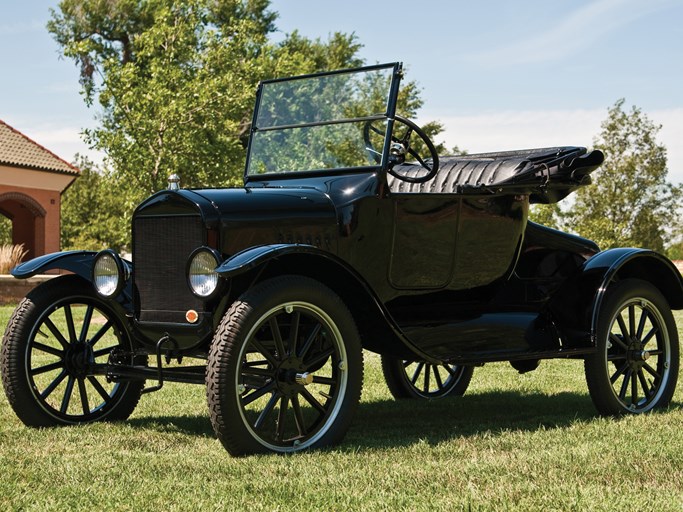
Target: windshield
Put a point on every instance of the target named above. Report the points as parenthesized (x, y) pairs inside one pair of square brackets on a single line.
[(322, 122)]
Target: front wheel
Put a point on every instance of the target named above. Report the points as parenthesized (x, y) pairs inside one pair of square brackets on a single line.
[(285, 369), (55, 337), (418, 379), (635, 368)]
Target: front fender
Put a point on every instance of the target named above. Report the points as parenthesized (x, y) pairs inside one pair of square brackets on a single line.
[(78, 262), (624, 263), (254, 256)]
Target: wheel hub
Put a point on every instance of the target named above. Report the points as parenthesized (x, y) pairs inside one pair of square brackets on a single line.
[(78, 359), (292, 377)]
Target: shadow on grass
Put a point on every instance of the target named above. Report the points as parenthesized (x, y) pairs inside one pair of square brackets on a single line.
[(406, 422), (396, 423)]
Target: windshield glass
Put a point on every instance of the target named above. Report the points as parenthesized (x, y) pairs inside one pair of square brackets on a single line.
[(321, 122)]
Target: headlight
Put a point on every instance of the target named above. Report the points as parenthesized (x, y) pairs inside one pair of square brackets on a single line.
[(108, 273), (201, 276)]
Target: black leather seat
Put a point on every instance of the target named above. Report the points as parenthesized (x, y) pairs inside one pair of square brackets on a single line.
[(484, 169)]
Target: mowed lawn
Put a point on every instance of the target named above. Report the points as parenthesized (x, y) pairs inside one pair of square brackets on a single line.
[(513, 442)]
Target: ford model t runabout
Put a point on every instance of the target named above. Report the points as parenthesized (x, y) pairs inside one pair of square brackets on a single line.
[(350, 233)]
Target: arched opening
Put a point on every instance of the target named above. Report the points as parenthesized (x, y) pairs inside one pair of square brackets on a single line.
[(5, 229), (28, 221)]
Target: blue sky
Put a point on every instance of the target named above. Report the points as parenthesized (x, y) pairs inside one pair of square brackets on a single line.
[(498, 74)]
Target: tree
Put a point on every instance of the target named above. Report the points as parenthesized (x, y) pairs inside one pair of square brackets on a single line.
[(176, 80), (630, 202), (93, 211), (549, 215)]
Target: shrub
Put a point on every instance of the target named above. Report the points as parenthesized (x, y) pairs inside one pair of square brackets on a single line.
[(11, 256)]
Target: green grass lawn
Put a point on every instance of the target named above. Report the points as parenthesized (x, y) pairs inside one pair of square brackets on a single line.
[(513, 442)]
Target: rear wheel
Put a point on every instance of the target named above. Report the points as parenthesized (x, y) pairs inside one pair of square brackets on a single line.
[(418, 379), (285, 369), (635, 368), (53, 339)]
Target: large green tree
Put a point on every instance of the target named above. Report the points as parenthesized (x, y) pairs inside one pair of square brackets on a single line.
[(630, 203), (175, 82)]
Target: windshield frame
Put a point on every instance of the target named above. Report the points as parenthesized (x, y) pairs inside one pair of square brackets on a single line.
[(388, 116)]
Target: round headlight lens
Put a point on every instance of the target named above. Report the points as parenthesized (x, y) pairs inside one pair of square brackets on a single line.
[(201, 274), (107, 274)]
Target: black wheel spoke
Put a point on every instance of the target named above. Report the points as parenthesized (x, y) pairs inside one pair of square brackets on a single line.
[(257, 372), (294, 331), (649, 336), (313, 401), (99, 388), (624, 385), (617, 340), (320, 358), (451, 370), (632, 321), (86, 324), (426, 381), (258, 393), (267, 410), (67, 395), (47, 368), (298, 416), (101, 352), (641, 324), (649, 369), (48, 349), (53, 385), (437, 377), (303, 352), (280, 428), (634, 388), (56, 333), (101, 332), (277, 337), (622, 327), (416, 374), (644, 384), (84, 396), (328, 381), (265, 353), (615, 376), (70, 323)]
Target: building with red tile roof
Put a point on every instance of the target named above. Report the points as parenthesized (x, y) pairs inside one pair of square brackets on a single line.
[(32, 180)]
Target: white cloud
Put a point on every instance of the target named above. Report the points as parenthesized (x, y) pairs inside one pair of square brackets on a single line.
[(567, 37), (498, 131)]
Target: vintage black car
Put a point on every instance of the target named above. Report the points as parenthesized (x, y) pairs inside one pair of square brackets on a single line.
[(350, 233)]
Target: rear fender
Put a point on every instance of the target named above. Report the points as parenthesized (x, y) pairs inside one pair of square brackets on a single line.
[(606, 267)]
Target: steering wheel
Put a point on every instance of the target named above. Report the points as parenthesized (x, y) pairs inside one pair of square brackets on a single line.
[(400, 147)]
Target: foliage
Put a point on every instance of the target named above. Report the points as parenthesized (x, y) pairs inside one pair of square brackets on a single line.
[(546, 214), (176, 81), (5, 230), (11, 256), (630, 202), (95, 211)]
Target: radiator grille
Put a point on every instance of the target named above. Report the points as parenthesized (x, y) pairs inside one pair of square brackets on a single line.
[(161, 248)]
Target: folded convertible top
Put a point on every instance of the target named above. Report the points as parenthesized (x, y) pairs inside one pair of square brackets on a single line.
[(549, 174)]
